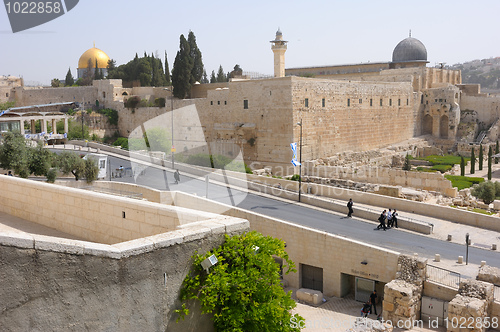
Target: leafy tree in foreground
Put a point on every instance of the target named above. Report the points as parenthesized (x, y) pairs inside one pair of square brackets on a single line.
[(243, 290), (90, 169), (40, 160), (15, 154), (70, 162), (485, 191)]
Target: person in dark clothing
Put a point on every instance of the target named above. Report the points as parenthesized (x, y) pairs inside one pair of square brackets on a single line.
[(177, 176), (381, 219), (394, 222), (365, 311), (349, 206), (373, 302)]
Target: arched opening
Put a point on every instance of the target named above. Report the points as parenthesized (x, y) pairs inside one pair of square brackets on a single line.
[(443, 127), (125, 93), (427, 125)]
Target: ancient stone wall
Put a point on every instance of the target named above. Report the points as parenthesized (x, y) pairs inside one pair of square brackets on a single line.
[(36, 96), (403, 296), (487, 107)]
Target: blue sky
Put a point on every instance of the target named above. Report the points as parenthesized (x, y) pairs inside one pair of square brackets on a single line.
[(235, 32)]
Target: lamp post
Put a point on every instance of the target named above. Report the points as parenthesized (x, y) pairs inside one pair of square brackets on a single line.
[(171, 89), (300, 158), (467, 249)]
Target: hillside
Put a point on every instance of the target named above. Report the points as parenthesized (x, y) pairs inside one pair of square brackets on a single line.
[(485, 72)]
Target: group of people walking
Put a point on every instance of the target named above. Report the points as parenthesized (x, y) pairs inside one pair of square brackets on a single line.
[(388, 219)]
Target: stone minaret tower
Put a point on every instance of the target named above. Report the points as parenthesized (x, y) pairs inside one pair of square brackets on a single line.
[(279, 49)]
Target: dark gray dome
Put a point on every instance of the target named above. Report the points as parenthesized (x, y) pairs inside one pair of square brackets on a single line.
[(409, 49)]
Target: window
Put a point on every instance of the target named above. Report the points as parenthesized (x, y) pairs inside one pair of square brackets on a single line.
[(390, 102), (348, 102), (102, 164), (422, 99), (360, 101), (399, 102), (245, 104), (380, 102), (306, 102), (371, 102), (218, 102), (7, 95), (211, 102), (323, 102), (407, 102), (225, 102), (104, 94)]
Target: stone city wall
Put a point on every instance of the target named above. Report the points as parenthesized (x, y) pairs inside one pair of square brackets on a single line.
[(431, 181), (67, 285), (38, 96), (89, 215), (487, 107)]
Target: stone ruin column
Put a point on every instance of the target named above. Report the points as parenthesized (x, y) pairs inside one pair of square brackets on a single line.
[(469, 308), (403, 296)]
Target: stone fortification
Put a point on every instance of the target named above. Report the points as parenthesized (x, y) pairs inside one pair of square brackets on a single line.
[(472, 304), (402, 296), (489, 274), (37, 96)]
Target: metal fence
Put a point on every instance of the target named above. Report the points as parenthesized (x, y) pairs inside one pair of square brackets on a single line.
[(443, 276)]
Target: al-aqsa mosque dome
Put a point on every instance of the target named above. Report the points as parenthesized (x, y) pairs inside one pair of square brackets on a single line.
[(409, 50), (93, 54)]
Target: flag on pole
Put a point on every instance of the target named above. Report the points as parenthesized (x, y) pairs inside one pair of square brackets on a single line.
[(294, 159)]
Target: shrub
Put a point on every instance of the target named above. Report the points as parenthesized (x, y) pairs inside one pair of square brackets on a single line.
[(295, 177), (132, 102), (51, 175), (485, 191), (462, 182), (122, 142), (160, 102)]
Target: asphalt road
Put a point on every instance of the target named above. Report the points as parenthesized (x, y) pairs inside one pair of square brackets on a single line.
[(401, 241)]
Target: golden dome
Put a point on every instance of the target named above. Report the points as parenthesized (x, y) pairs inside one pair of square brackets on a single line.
[(93, 54)]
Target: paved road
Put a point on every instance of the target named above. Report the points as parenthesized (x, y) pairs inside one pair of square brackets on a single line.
[(401, 241)]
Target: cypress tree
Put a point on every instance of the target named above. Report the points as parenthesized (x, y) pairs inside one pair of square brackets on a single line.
[(205, 78), (181, 73), (70, 81), (195, 55), (213, 79), (481, 157), (407, 165), (462, 166), (168, 80), (490, 156), (472, 162), (497, 150), (221, 77)]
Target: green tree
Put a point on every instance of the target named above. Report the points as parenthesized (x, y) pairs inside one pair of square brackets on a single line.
[(486, 191), (221, 77), (70, 162), (75, 129), (181, 73), (462, 166), (195, 55), (55, 83), (490, 157), (204, 79), (90, 169), (168, 80), (213, 79), (472, 162), (6, 105), (69, 78), (15, 154), (407, 164), (88, 76), (497, 151), (480, 157), (243, 290), (40, 160), (111, 66)]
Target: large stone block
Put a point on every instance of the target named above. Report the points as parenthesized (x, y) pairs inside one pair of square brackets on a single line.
[(310, 296)]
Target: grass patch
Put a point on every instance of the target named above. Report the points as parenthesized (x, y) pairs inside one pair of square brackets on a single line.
[(462, 182), (482, 211), (443, 160), (425, 169), (442, 167)]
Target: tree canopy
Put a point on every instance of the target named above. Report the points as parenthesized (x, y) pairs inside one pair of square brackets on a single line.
[(243, 290), (148, 70), (69, 81), (181, 72)]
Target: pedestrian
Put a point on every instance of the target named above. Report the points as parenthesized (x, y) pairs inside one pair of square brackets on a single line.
[(389, 218), (394, 219), (349, 206), (365, 311), (177, 176), (373, 302), (10, 173), (381, 220)]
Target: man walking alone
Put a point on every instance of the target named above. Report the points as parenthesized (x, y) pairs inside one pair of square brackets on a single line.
[(349, 206)]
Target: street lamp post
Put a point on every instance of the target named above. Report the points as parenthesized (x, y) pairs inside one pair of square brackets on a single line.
[(172, 113), (467, 249), (300, 159)]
